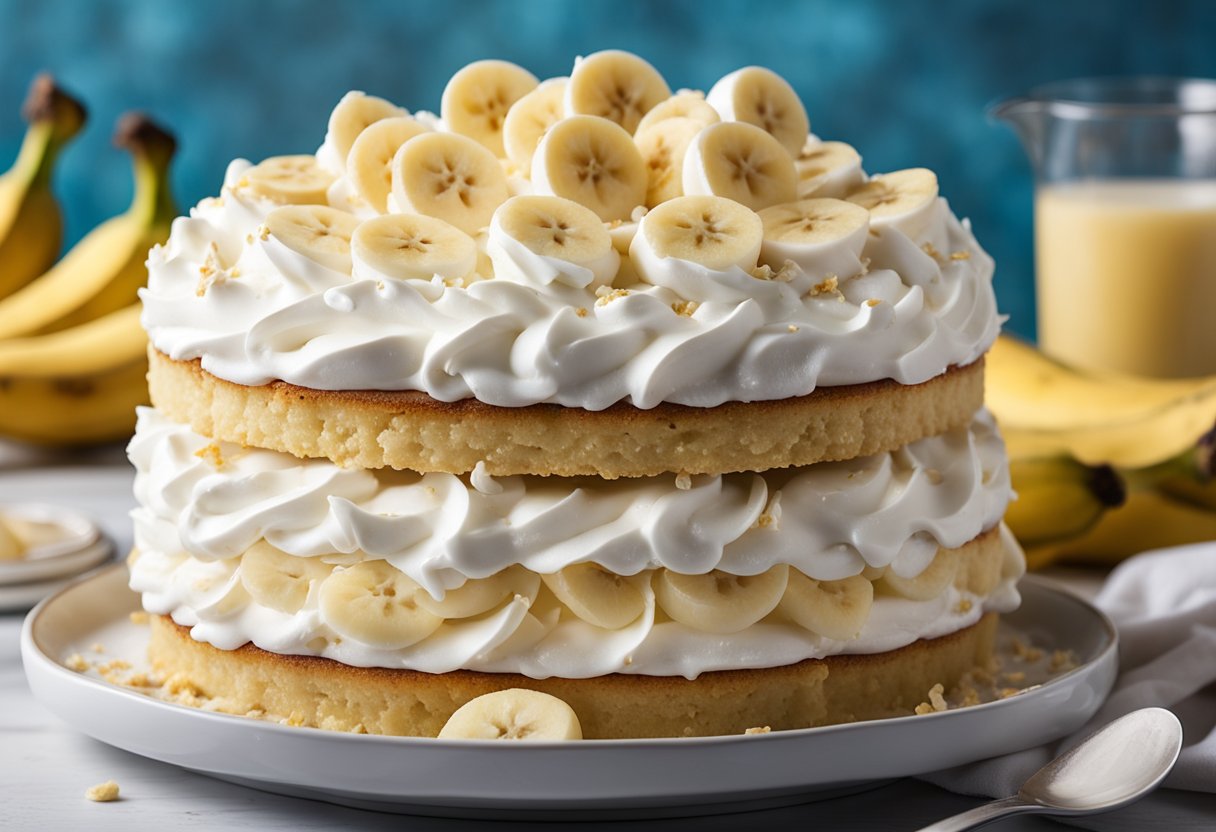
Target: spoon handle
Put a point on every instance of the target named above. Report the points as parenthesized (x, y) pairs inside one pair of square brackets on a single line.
[(980, 815)]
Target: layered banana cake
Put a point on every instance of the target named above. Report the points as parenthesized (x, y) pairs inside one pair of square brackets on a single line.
[(582, 408)]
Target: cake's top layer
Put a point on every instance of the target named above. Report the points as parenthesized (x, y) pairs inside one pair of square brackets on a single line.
[(581, 241)]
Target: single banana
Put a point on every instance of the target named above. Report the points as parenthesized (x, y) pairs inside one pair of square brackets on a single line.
[(289, 180), (823, 236), (761, 97), (684, 104), (903, 199), (31, 226), (828, 169), (354, 113), (103, 272), (593, 162), (411, 246), (529, 118), (832, 609), (552, 227), (663, 145), (376, 604), (710, 231), (370, 163), (1060, 498), (480, 595), (513, 714), (718, 602), (316, 233), (932, 581), (598, 596), (476, 100), (278, 580), (742, 162), (451, 177), (615, 85)]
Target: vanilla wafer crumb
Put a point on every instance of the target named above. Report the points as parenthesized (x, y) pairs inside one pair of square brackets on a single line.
[(103, 792)]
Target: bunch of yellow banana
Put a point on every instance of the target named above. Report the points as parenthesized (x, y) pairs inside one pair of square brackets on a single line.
[(1105, 466), (72, 354)]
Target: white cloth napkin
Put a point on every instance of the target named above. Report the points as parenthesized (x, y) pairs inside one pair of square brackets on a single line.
[(1164, 605)]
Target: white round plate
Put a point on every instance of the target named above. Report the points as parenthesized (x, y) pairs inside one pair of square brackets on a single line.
[(79, 549), (602, 778)]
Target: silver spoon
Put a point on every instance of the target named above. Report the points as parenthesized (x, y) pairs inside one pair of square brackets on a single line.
[(1109, 769)]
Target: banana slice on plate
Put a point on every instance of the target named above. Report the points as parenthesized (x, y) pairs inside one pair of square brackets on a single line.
[(513, 714), (718, 602), (741, 162), (278, 580), (478, 595), (830, 169), (376, 604), (354, 113), (411, 246), (615, 85), (477, 98), (832, 609), (761, 97), (935, 579), (824, 237), (290, 180), (451, 177), (904, 199), (710, 231), (316, 232), (370, 163), (597, 596), (684, 104), (663, 145), (557, 229), (594, 162), (529, 118)]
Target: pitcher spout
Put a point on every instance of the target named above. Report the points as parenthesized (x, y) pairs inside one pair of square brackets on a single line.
[(1028, 117)]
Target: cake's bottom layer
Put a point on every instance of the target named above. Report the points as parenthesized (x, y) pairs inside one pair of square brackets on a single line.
[(323, 693)]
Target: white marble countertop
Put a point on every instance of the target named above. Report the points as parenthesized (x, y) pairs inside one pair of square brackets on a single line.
[(45, 767)]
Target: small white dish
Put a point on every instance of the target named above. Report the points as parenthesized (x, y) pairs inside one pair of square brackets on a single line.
[(554, 781), (75, 544)]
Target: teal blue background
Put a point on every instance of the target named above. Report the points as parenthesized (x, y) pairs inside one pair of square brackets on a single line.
[(904, 82)]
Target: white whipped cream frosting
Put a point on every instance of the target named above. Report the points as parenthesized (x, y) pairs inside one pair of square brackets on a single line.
[(546, 333)]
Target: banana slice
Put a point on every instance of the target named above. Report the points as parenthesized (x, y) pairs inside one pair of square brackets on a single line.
[(980, 573), (476, 101), (513, 714), (717, 602), (529, 118), (477, 595), (557, 229), (711, 231), (11, 546), (663, 146), (903, 199), (377, 605), (832, 609), (828, 169), (741, 162), (290, 180), (594, 162), (824, 237), (930, 583), (450, 177), (278, 580), (411, 246), (684, 104), (599, 597), (354, 113), (370, 163), (759, 96), (318, 232), (615, 85)]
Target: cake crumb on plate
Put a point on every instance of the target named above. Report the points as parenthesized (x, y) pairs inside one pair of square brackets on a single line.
[(103, 792)]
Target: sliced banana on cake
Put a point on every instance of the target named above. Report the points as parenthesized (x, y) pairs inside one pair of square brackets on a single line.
[(577, 248), (370, 163), (594, 162), (759, 96), (832, 609), (513, 714), (712, 232), (980, 573), (718, 602), (684, 104), (824, 237), (615, 85), (451, 177), (477, 98), (376, 604), (354, 113), (741, 162), (935, 579), (317, 233), (904, 199), (278, 580), (411, 246), (598, 596), (529, 118), (478, 595), (828, 169), (663, 146), (290, 180)]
